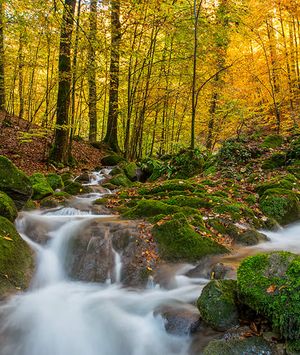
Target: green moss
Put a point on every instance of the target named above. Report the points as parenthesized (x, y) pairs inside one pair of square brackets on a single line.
[(16, 261), (239, 346), (270, 284), (116, 171), (57, 199), (30, 205), (41, 187), (120, 180), (273, 141), (7, 207), (75, 188), (66, 177), (236, 211), (150, 208), (14, 183), (112, 160), (55, 181), (172, 185), (282, 205), (178, 241), (130, 170), (275, 161), (217, 304), (187, 163), (194, 202), (109, 186), (288, 182), (101, 201)]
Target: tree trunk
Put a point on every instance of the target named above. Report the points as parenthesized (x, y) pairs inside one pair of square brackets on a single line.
[(92, 72), (60, 147), (111, 138)]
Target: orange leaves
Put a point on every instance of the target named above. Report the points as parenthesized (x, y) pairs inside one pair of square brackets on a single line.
[(271, 289)]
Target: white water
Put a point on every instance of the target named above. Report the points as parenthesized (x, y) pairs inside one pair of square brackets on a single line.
[(58, 316)]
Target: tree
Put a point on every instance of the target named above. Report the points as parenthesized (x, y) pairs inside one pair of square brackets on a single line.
[(2, 59), (60, 148), (111, 138), (92, 72)]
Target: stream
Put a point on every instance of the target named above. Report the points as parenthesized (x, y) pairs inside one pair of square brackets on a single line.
[(61, 315)]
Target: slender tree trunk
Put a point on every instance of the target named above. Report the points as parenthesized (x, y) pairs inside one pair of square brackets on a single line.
[(60, 147), (2, 57), (111, 138), (92, 72)]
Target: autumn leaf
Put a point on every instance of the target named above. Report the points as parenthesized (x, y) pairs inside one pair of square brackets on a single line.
[(271, 289)]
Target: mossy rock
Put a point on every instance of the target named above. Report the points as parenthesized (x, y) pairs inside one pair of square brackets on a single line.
[(14, 183), (116, 171), (101, 201), (16, 259), (120, 180), (130, 170), (293, 347), (217, 304), (172, 185), (150, 208), (273, 141), (277, 160), (240, 346), (30, 205), (66, 177), (269, 284), (250, 237), (57, 199), (8, 208), (112, 160), (178, 241), (55, 181), (75, 188), (288, 182), (235, 210), (109, 186), (280, 204), (186, 164), (41, 187)]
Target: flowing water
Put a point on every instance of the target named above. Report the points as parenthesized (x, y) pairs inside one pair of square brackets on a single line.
[(60, 316)]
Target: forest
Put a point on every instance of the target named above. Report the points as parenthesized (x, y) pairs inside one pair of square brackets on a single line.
[(149, 177)]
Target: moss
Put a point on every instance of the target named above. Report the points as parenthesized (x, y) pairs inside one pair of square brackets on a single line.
[(57, 199), (101, 201), (288, 182), (270, 284), (178, 241), (217, 304), (109, 186), (55, 181), (7, 207), (273, 141), (277, 160), (75, 188), (66, 177), (187, 163), (16, 261), (293, 347), (172, 185), (120, 180), (250, 237), (14, 183), (130, 170), (282, 205), (30, 205), (41, 187), (150, 208), (112, 160), (239, 346), (236, 211), (116, 171)]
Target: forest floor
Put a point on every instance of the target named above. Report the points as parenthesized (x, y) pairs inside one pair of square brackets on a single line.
[(28, 147)]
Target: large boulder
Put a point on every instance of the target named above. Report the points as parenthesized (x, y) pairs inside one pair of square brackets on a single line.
[(112, 160), (41, 186), (7, 207), (269, 284), (55, 181), (16, 259), (217, 304), (14, 183), (130, 170), (177, 240), (120, 180)]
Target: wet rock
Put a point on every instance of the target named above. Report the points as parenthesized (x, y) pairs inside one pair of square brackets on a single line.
[(111, 160), (180, 319), (83, 178), (220, 271), (7, 207), (217, 304), (41, 187), (240, 346), (250, 237)]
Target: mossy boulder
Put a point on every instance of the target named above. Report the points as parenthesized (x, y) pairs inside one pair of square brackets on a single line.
[(270, 284), (171, 186), (250, 237), (14, 183), (55, 181), (7, 207), (240, 346), (16, 259), (217, 304), (186, 164), (150, 208), (41, 187), (280, 204), (75, 188), (112, 160), (120, 180), (116, 171), (190, 201), (288, 182), (178, 241), (57, 199), (130, 170), (273, 141)]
